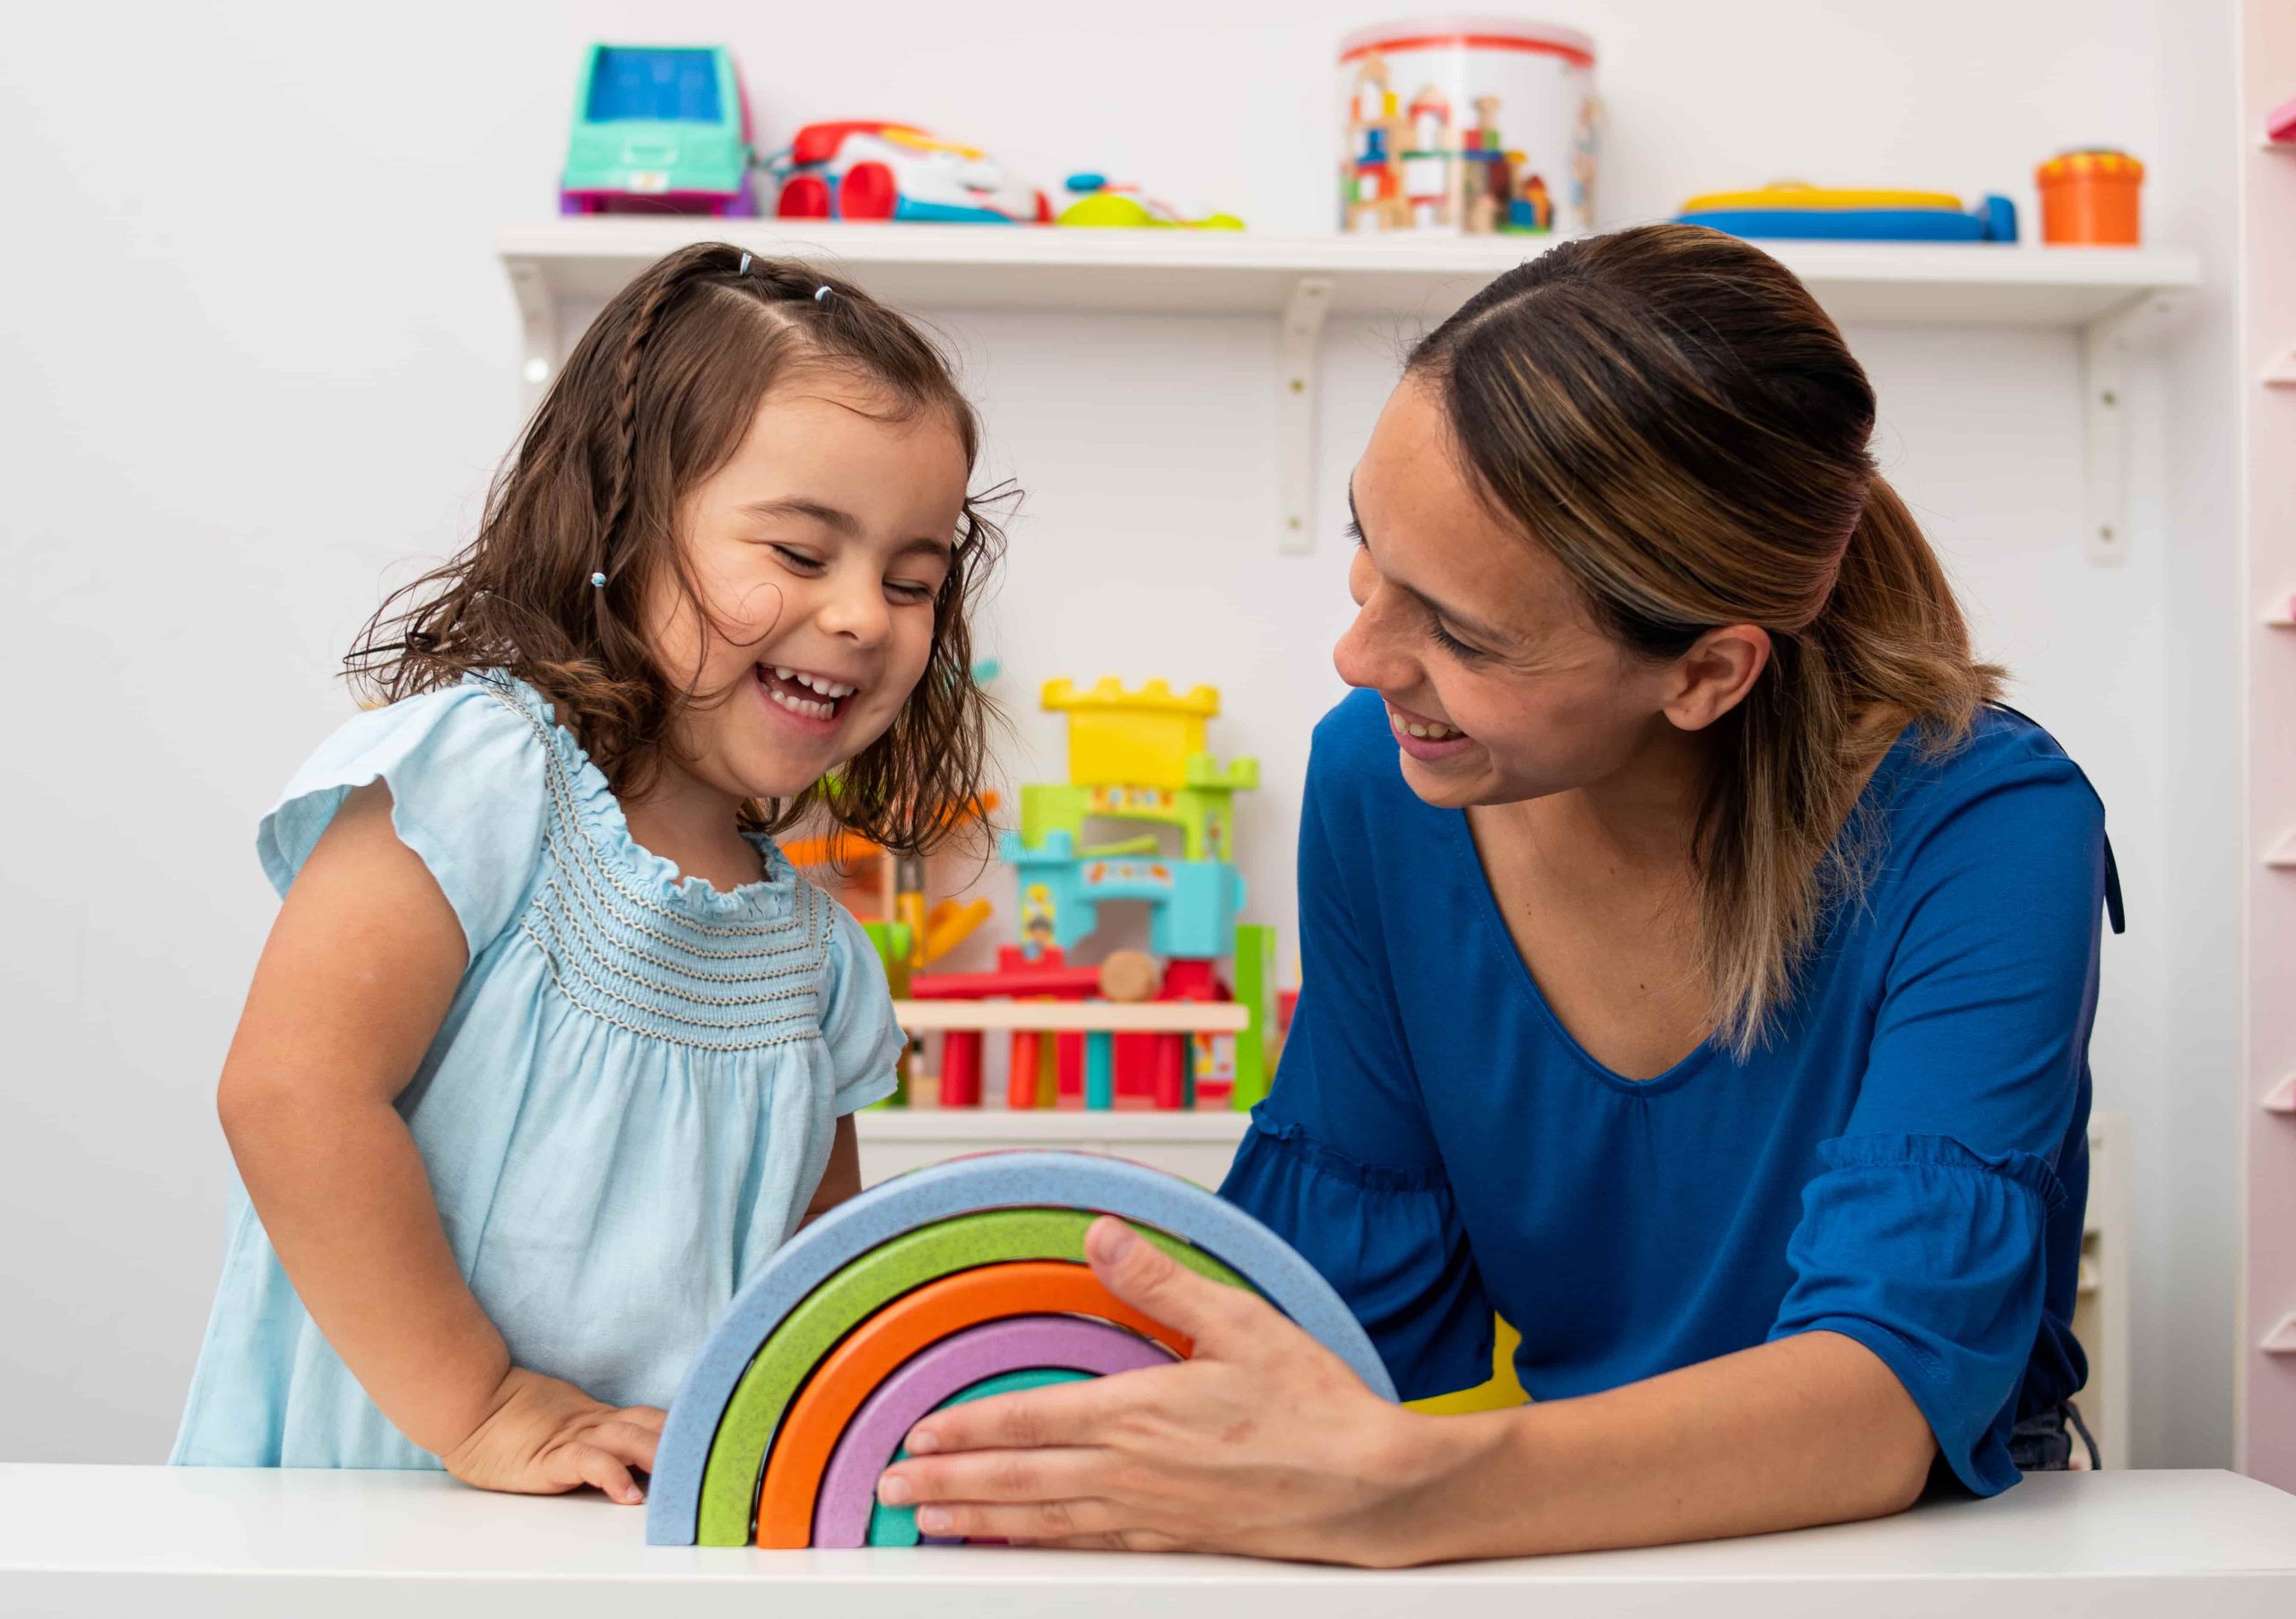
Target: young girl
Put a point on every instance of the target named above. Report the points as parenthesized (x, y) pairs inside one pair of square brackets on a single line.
[(550, 1048)]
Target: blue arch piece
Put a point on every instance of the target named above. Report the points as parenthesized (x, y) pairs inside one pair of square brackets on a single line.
[(965, 1186)]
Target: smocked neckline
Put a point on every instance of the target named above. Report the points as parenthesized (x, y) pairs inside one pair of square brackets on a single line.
[(607, 828)]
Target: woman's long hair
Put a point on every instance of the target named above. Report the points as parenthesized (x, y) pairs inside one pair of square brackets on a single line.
[(1667, 410), (656, 397)]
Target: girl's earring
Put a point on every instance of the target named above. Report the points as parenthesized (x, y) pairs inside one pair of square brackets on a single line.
[(598, 580)]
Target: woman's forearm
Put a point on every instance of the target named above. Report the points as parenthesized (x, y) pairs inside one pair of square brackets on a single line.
[(342, 1192), (1807, 1429)]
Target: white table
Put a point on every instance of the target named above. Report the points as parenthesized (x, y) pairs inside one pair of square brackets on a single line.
[(197, 1542)]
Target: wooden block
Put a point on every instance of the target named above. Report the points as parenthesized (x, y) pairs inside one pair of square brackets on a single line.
[(713, 1448), (875, 1349), (961, 1068), (897, 1526), (1099, 1072), (1021, 1079), (959, 1362)]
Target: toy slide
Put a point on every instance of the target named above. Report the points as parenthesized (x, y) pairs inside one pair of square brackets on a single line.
[(941, 1285)]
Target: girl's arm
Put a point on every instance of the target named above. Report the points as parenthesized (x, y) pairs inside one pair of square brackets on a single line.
[(355, 981), (842, 1178), (1266, 1444)]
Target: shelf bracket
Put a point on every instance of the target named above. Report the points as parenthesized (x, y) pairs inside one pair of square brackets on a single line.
[(2107, 347), (538, 330), (1295, 403)]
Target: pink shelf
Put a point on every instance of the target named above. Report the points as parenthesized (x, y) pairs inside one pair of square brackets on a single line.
[(2280, 124), (2267, 1415)]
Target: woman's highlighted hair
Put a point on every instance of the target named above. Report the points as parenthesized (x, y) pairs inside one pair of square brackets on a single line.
[(1669, 413), (581, 520)]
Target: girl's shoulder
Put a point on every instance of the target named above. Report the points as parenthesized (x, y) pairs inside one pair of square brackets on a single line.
[(469, 770)]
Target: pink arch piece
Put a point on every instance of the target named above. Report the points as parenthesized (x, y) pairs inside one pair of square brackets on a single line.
[(848, 1487)]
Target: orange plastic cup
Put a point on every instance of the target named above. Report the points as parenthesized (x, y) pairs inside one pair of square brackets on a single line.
[(2088, 198)]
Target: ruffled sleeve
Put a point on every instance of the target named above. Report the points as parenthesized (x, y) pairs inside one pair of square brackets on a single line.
[(1389, 1239), (857, 1017), (1341, 1160), (466, 770), (1925, 1235)]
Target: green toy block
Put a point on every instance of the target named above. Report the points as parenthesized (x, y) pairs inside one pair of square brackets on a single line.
[(1205, 815), (1255, 986)]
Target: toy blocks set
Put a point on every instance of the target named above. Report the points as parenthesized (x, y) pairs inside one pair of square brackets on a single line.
[(951, 1284), (1180, 1033)]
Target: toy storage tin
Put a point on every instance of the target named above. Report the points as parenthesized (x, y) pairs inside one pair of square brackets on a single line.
[(1467, 126)]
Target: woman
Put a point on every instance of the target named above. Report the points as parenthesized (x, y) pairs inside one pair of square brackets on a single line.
[(1708, 992)]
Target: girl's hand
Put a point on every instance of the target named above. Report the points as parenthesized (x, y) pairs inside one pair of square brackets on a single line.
[(1264, 1443), (544, 1437)]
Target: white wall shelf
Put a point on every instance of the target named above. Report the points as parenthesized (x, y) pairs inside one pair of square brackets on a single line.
[(2115, 298)]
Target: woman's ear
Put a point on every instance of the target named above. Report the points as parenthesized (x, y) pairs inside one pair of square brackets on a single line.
[(1714, 676)]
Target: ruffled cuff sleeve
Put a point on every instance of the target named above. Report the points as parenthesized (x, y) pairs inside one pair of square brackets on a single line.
[(857, 1017), (1389, 1239), (465, 771), (1930, 1256)]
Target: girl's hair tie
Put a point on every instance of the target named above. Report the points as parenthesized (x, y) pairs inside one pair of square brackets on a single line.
[(821, 293), (598, 580), (744, 270)]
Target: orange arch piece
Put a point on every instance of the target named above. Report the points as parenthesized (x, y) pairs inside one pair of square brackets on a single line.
[(874, 1350)]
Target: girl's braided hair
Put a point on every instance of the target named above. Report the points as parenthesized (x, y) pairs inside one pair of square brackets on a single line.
[(654, 398)]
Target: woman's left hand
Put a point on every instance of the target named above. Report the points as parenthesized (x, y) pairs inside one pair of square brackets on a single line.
[(1265, 1444)]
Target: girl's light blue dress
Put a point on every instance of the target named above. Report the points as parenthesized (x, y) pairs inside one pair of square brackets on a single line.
[(626, 1111)]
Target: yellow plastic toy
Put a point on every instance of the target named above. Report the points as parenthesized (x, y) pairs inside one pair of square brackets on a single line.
[(1143, 738)]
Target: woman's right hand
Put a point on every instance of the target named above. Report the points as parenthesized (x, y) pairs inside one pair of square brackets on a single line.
[(544, 1437)]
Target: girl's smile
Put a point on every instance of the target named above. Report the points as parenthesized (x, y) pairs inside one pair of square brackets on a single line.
[(817, 703)]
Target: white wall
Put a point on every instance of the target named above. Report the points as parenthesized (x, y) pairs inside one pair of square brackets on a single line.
[(258, 357)]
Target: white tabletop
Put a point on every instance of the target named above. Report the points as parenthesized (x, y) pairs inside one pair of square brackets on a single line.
[(197, 1542)]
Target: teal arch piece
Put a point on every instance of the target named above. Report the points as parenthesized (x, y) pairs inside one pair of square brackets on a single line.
[(897, 1526)]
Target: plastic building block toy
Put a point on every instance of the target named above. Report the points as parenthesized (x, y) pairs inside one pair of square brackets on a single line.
[(1143, 738), (1192, 903), (868, 170), (662, 129), (1793, 211), (918, 1290), (1100, 205)]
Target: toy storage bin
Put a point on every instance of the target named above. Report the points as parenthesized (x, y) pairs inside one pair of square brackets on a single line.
[(1467, 126), (2090, 198)]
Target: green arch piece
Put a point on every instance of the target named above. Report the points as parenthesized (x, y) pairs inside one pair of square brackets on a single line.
[(737, 1464), (897, 1526)]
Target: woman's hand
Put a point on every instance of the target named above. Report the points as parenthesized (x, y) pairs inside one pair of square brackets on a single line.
[(1264, 1443), (544, 1437)]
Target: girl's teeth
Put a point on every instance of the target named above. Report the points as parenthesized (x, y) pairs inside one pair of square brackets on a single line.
[(798, 705)]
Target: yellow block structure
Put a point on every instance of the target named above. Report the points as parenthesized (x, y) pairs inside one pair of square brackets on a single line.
[(1142, 738), (1501, 1392)]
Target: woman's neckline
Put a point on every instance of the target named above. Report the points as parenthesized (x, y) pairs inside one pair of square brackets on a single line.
[(1492, 917)]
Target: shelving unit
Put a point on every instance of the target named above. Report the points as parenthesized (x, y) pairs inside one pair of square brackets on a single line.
[(2116, 299), (2266, 1379)]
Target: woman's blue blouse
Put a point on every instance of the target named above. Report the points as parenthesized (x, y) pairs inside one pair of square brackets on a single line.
[(1905, 1162)]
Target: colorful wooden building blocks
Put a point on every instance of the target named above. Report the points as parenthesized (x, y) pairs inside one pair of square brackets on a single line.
[(1193, 904), (921, 1290)]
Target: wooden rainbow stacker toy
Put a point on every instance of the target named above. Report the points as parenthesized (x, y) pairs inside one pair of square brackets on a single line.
[(953, 1283)]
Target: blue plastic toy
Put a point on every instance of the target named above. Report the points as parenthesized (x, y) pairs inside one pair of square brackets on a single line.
[(658, 129)]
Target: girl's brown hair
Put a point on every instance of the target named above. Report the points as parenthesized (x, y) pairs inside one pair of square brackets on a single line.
[(1669, 413), (656, 397)]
